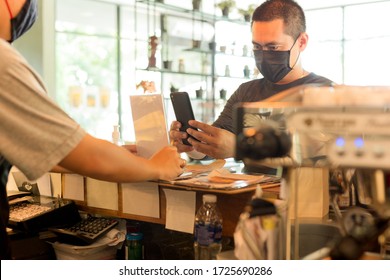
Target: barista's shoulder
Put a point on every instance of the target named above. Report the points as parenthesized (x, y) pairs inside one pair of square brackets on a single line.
[(8, 53), (5, 47), (314, 78), (10, 58), (250, 85)]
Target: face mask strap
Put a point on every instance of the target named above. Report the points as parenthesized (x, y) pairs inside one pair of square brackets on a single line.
[(9, 9), (296, 61), (295, 42)]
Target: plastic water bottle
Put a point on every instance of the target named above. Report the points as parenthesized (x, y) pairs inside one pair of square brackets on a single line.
[(208, 229)]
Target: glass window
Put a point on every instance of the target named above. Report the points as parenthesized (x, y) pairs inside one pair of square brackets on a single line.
[(349, 42), (87, 81), (366, 61), (367, 21), (366, 48), (323, 54), (127, 23), (325, 24), (86, 64), (324, 59), (128, 87), (86, 17)]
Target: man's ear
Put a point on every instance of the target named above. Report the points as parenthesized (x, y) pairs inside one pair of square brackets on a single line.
[(303, 39)]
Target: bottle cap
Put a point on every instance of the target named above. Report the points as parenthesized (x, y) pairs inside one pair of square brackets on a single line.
[(134, 236), (209, 198)]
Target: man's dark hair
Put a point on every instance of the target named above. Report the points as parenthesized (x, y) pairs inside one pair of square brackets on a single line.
[(288, 10)]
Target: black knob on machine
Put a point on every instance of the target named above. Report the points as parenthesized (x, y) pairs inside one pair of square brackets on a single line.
[(264, 142)]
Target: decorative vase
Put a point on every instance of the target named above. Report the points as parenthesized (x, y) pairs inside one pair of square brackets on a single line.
[(246, 71), (196, 44), (227, 71), (245, 50), (199, 93), (225, 11), (167, 64), (212, 46), (153, 44), (222, 94), (181, 65)]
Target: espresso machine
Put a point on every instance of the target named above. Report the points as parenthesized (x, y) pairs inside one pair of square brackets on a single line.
[(326, 142)]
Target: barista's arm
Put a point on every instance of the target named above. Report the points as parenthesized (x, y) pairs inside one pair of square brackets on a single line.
[(103, 160)]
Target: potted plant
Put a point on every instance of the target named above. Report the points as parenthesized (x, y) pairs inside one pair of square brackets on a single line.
[(196, 4), (225, 6), (247, 13)]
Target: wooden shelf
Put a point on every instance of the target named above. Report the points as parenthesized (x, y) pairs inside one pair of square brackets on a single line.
[(166, 71)]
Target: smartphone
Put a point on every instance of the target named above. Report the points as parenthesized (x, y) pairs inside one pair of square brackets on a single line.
[(183, 111)]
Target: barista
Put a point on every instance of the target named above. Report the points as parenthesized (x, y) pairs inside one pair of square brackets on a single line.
[(37, 136)]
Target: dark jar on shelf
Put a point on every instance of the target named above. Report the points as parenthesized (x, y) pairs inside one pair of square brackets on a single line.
[(222, 94), (199, 93)]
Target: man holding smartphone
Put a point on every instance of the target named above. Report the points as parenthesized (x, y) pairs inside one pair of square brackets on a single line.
[(278, 34)]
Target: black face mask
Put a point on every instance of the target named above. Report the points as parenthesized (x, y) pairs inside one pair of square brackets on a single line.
[(273, 65), (24, 20)]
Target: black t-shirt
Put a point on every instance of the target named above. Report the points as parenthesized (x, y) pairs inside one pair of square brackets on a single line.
[(258, 90), (5, 166)]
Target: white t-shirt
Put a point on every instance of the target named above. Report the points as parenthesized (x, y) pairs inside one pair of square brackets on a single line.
[(35, 133)]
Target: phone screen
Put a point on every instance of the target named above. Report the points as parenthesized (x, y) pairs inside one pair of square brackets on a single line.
[(183, 111)]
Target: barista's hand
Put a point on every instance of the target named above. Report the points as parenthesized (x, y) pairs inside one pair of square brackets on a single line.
[(168, 163), (177, 136), (215, 142)]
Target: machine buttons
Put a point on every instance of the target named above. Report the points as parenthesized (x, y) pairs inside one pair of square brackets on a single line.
[(340, 146), (378, 152), (359, 146)]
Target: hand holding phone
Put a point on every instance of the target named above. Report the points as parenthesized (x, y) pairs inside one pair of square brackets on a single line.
[(183, 111)]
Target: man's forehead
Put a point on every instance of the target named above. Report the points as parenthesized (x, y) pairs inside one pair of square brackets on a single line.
[(266, 32), (277, 24)]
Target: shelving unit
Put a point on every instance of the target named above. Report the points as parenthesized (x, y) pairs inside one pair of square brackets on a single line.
[(192, 37)]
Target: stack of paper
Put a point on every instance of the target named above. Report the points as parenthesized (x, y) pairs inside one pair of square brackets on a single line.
[(221, 178)]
